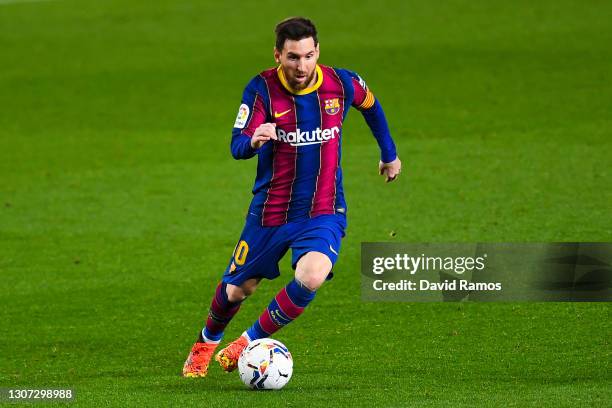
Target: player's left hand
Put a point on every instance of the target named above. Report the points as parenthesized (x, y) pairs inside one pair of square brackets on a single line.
[(390, 170)]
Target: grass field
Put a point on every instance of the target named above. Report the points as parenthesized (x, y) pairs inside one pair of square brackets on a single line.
[(120, 203)]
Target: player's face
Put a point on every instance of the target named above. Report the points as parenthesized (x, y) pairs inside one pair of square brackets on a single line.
[(298, 60)]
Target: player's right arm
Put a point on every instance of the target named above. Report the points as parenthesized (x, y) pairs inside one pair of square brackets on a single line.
[(250, 129), (263, 133)]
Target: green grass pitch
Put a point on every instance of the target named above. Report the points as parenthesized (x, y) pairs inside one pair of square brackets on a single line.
[(120, 203)]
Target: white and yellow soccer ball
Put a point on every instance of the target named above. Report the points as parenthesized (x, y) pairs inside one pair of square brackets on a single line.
[(265, 364)]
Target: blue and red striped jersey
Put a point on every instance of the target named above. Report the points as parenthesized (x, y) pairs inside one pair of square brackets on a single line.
[(299, 175)]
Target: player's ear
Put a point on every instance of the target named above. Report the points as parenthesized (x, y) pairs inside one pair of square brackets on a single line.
[(276, 56)]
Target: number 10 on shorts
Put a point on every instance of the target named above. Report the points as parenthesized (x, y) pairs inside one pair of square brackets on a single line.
[(240, 254)]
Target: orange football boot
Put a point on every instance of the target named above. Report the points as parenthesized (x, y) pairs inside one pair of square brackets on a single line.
[(228, 357), (196, 364)]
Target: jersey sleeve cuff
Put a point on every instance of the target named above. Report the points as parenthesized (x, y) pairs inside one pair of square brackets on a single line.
[(388, 157)]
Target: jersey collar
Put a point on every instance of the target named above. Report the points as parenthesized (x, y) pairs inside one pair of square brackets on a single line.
[(281, 77)]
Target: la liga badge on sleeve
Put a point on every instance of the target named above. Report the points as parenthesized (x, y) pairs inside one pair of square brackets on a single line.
[(243, 114)]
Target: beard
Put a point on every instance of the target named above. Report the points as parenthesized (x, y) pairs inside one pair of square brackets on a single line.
[(302, 85)]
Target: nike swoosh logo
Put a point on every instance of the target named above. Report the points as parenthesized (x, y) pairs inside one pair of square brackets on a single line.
[(278, 115), (332, 249)]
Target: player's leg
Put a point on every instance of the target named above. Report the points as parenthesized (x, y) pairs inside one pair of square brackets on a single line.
[(255, 257), (239, 293), (224, 306), (286, 306), (315, 250), (311, 271)]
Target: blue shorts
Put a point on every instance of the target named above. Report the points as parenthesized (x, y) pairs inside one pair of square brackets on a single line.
[(261, 248)]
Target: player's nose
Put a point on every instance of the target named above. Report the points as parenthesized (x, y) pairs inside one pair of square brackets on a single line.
[(301, 65)]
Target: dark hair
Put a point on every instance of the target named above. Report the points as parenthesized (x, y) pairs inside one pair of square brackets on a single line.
[(294, 28)]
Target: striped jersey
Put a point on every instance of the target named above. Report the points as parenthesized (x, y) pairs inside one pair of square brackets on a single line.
[(299, 175)]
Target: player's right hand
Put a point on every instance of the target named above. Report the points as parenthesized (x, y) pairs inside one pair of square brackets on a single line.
[(263, 133)]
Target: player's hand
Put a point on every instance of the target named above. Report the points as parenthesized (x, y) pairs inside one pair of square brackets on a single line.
[(263, 133), (390, 170)]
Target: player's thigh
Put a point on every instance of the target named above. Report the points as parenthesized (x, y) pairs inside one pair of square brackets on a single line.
[(255, 256), (316, 248)]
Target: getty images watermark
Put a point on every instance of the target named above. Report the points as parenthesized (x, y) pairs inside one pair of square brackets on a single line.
[(413, 264), (427, 272)]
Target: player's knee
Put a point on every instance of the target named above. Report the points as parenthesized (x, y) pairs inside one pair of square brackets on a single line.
[(248, 290), (312, 270), (240, 293), (312, 281), (237, 293)]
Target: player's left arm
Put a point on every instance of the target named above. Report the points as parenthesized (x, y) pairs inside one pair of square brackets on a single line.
[(364, 100)]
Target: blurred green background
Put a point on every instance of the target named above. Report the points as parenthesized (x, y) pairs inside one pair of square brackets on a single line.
[(120, 203)]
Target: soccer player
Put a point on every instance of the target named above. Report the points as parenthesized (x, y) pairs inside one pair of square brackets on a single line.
[(290, 118)]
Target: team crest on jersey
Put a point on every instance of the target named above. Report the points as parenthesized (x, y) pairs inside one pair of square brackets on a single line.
[(243, 114), (332, 106)]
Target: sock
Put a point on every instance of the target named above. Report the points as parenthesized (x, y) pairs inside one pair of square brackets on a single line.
[(286, 306), (220, 314)]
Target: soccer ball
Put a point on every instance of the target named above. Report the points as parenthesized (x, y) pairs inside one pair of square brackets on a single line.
[(265, 364)]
